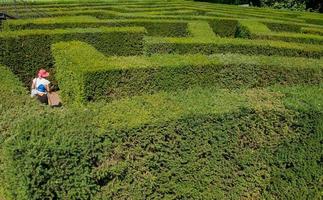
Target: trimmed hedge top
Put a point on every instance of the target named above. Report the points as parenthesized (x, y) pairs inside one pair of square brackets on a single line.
[(122, 142), (86, 55), (81, 19), (257, 30), (226, 45), (117, 77), (8, 34)]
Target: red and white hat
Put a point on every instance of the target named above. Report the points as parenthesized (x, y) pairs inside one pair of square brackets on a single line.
[(43, 73)]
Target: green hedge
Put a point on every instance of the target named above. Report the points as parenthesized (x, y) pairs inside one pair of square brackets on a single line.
[(51, 162), (101, 14), (236, 2), (14, 98), (15, 104), (224, 45), (299, 38), (284, 27), (191, 156), (24, 52), (258, 30), (224, 28), (118, 77), (165, 28), (317, 21), (318, 31)]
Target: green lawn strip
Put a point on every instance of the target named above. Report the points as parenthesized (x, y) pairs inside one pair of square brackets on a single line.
[(24, 52), (226, 45), (119, 77), (201, 29)]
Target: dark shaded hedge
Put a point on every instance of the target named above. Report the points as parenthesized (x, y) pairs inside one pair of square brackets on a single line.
[(224, 28), (27, 51), (243, 154)]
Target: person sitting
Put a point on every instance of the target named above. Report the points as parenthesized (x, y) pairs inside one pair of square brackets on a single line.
[(40, 86)]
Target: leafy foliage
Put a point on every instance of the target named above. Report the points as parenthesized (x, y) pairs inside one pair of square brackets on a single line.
[(234, 112), (24, 52), (114, 78)]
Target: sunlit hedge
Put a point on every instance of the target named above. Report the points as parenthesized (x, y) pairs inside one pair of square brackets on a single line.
[(117, 77), (226, 45), (233, 112), (166, 28), (24, 52), (214, 137)]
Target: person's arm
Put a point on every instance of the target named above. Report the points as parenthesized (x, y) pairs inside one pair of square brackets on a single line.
[(47, 88), (33, 86)]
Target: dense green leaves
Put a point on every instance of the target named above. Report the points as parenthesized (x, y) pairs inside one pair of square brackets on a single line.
[(234, 112), (166, 28), (115, 78), (24, 52), (191, 157)]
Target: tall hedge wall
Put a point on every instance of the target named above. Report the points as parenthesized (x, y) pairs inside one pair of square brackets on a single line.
[(165, 28), (114, 78), (24, 52), (206, 46)]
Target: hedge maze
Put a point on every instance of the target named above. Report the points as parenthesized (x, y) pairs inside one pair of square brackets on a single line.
[(162, 100)]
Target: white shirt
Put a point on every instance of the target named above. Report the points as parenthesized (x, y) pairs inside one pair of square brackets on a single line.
[(40, 85)]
